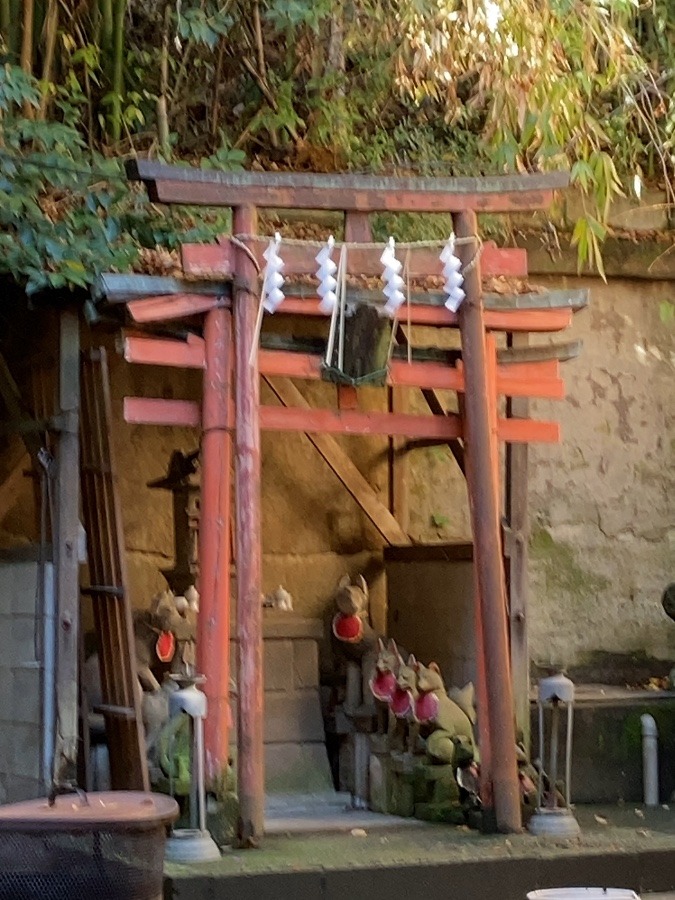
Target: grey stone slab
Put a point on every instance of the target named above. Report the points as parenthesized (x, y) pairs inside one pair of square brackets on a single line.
[(22, 646), (21, 788), (19, 581), (305, 664), (26, 706), (297, 767), (293, 717), (6, 691), (278, 662), (25, 750)]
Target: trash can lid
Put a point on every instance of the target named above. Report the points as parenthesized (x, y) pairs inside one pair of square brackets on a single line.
[(583, 893), (102, 811)]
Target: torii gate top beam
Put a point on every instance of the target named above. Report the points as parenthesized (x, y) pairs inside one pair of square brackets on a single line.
[(364, 193)]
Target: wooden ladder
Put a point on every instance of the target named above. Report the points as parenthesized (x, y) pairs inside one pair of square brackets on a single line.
[(121, 705)]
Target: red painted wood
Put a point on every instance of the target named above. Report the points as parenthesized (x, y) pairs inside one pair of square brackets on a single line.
[(172, 306), (539, 320), (536, 379), (155, 411), (194, 193), (330, 421), (347, 396), (165, 352), (213, 623), (250, 756), (216, 260), (526, 431), (480, 419), (208, 260)]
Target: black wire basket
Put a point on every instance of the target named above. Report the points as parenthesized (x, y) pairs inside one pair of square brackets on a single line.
[(103, 846)]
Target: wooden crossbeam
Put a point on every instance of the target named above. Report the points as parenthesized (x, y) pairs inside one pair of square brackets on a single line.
[(173, 306), (218, 260), (365, 193), (186, 413), (340, 463), (153, 351), (536, 379), (515, 320), (156, 411)]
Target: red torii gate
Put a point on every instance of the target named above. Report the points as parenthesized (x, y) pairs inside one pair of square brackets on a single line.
[(231, 406)]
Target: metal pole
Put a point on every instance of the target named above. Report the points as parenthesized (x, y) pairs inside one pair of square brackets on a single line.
[(486, 536), (213, 623), (250, 759), (553, 766), (568, 756)]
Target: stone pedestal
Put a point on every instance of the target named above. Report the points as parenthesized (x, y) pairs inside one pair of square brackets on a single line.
[(295, 743)]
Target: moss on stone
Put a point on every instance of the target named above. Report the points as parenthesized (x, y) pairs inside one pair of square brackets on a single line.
[(561, 569)]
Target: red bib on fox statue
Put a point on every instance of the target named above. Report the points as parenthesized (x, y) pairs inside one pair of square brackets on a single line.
[(347, 628)]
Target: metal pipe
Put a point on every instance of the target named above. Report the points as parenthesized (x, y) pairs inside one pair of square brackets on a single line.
[(213, 621), (250, 759), (199, 756), (650, 760), (568, 756), (542, 757), (553, 766), (485, 517), (48, 671)]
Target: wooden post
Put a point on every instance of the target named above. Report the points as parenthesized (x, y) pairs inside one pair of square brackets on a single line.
[(486, 797), (486, 536), (213, 638), (66, 547), (517, 562), (250, 759)]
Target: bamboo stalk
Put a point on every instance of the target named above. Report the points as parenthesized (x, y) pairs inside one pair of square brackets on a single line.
[(106, 10), (162, 112), (27, 47), (119, 8), (5, 21), (51, 26)]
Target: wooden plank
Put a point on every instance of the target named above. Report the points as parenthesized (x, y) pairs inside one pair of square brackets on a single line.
[(165, 352), (433, 402), (520, 431), (12, 483), (67, 574), (399, 493), (516, 509), (156, 411), (535, 320), (329, 421), (365, 193), (538, 379), (173, 306), (343, 467), (216, 260)]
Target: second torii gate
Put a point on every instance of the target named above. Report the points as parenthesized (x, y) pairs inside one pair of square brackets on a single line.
[(231, 406)]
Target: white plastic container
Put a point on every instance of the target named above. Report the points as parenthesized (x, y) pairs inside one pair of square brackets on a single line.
[(593, 893)]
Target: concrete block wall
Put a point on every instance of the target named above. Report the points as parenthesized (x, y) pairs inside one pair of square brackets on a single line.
[(295, 743), (20, 684)]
